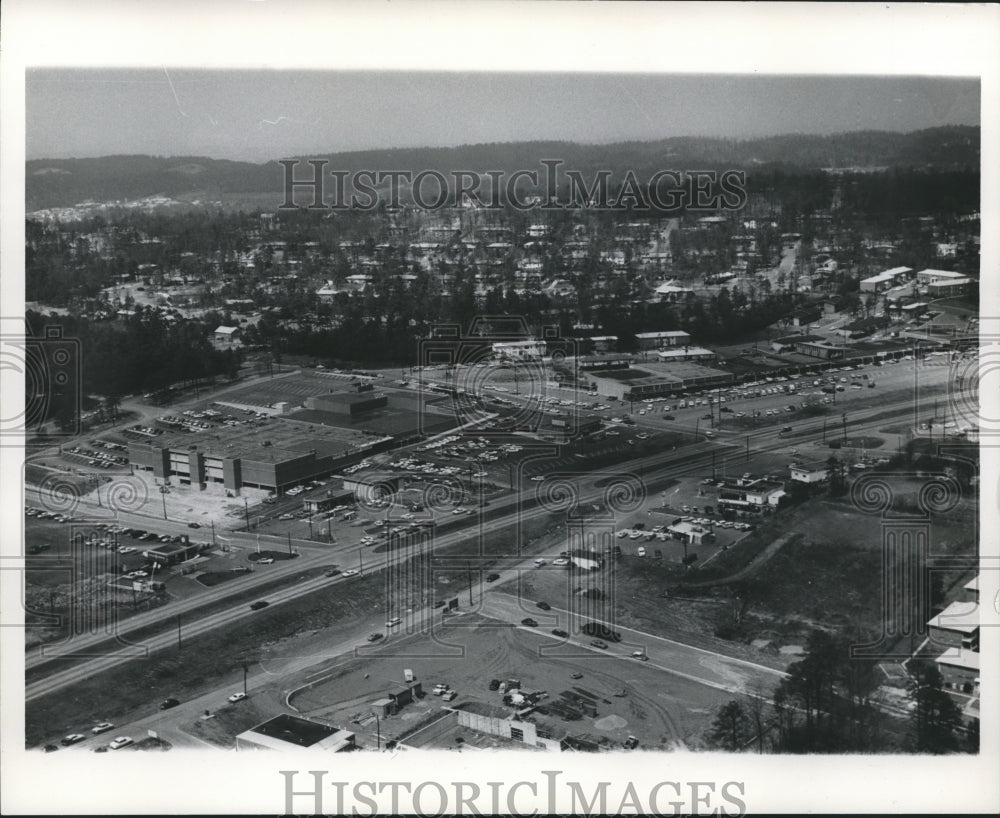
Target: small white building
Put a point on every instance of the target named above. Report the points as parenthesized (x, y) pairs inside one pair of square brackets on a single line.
[(815, 472), (227, 336)]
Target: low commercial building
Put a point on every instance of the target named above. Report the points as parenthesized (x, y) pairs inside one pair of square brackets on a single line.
[(814, 472), (956, 629), (957, 626), (815, 349), (885, 280), (686, 353), (531, 349), (690, 533), (170, 553), (287, 732), (951, 288), (486, 718), (755, 491), (925, 277), (662, 340), (349, 404)]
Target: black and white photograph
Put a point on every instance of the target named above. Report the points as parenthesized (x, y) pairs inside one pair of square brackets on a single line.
[(582, 432)]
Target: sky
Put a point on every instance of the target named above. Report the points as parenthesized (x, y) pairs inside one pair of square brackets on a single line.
[(262, 115)]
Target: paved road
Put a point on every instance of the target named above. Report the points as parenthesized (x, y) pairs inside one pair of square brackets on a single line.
[(653, 465), (705, 667)]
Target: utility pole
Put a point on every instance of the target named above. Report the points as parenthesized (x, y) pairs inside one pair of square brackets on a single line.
[(289, 535), (246, 511), (468, 576), (178, 631), (213, 533), (748, 448), (844, 419), (361, 562)]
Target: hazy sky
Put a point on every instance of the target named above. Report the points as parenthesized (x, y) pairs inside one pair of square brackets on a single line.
[(261, 115)]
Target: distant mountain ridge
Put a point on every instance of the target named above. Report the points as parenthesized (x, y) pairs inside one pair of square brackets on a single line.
[(65, 182)]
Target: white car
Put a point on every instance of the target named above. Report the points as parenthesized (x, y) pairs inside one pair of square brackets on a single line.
[(392, 623), (121, 741), (236, 697), (537, 479), (265, 561), (350, 572), (561, 561), (641, 552), (103, 727)]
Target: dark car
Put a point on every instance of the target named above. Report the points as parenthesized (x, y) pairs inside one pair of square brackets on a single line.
[(194, 525), (544, 606), (492, 577), (531, 623), (256, 606), (332, 572), (166, 704), (561, 633), (494, 684), (374, 637), (597, 643)]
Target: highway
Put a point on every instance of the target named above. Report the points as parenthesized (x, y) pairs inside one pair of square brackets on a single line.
[(683, 461)]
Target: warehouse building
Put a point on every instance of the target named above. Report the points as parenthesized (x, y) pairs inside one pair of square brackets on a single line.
[(274, 457)]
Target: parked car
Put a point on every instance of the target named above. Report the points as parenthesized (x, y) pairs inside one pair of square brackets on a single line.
[(492, 577), (256, 606), (350, 572), (597, 643), (531, 623), (576, 675), (102, 727), (544, 606), (72, 738), (236, 697), (448, 695), (166, 704), (561, 633), (194, 525), (392, 623), (265, 560), (374, 637), (332, 572), (121, 741)]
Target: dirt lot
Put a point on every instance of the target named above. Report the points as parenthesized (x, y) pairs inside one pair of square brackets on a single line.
[(661, 711)]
